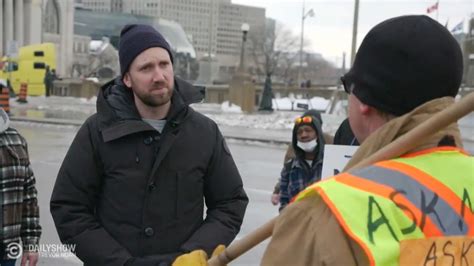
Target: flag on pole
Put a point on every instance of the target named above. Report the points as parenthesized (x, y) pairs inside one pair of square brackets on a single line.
[(432, 8), (458, 27)]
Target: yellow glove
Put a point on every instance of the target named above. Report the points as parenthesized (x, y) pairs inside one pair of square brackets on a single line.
[(218, 250), (197, 257)]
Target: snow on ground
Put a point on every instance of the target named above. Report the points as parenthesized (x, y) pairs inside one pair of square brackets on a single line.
[(223, 114), (78, 109), (227, 107), (287, 103)]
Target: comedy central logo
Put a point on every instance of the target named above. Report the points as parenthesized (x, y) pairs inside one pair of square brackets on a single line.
[(14, 250)]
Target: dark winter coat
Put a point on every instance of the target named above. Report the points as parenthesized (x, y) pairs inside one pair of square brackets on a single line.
[(344, 135), (124, 190)]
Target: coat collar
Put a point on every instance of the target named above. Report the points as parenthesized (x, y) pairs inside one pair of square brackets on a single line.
[(119, 117)]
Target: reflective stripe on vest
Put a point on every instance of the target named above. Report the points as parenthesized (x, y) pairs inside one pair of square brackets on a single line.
[(428, 194)]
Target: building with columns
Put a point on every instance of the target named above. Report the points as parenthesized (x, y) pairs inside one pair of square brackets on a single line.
[(20, 23), (26, 22), (213, 26), (58, 28)]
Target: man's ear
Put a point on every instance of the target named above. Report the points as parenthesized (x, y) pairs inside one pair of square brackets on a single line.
[(365, 109), (127, 80)]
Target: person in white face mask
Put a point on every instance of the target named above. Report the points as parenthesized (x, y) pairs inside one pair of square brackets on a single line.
[(305, 168), (290, 153)]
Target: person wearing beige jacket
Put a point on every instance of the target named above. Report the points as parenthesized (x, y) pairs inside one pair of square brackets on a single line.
[(406, 70)]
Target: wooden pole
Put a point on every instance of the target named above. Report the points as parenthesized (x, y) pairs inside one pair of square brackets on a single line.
[(393, 150), (240, 247)]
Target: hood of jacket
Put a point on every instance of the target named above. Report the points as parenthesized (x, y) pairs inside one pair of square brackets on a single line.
[(318, 151), (4, 120), (118, 115)]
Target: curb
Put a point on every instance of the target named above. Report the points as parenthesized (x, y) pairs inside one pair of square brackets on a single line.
[(269, 141), (78, 123), (47, 121)]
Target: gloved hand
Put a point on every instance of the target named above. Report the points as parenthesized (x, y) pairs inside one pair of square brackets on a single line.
[(197, 257), (153, 260)]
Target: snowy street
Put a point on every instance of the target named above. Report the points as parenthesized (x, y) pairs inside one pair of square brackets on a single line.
[(275, 126)]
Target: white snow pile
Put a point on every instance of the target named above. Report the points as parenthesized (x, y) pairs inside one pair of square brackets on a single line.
[(223, 114), (230, 108)]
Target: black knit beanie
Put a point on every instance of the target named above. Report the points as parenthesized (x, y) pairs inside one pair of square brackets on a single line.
[(404, 62), (136, 38)]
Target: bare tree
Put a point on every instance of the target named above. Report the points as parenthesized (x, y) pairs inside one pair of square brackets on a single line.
[(321, 71), (275, 52)]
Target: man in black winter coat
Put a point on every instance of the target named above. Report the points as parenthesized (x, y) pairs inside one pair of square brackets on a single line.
[(132, 188)]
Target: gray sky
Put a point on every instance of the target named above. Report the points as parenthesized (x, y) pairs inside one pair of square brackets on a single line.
[(330, 30)]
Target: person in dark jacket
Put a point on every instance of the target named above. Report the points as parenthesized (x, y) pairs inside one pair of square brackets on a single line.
[(305, 168), (344, 135), (132, 187), (49, 78)]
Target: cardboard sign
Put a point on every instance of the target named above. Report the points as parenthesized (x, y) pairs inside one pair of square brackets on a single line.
[(454, 251), (335, 159)]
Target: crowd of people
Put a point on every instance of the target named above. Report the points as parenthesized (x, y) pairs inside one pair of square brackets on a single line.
[(140, 172)]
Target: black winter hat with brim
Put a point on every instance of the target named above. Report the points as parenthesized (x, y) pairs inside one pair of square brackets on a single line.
[(136, 38), (404, 62)]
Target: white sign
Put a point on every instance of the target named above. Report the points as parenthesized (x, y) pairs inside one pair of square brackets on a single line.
[(335, 159)]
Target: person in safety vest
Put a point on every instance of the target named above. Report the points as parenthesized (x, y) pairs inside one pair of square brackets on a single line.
[(407, 69)]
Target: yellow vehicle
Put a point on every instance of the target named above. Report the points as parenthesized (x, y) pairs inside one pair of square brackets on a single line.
[(30, 67)]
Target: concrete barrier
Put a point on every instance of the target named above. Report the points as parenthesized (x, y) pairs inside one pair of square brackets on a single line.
[(220, 93), (75, 88), (214, 93)]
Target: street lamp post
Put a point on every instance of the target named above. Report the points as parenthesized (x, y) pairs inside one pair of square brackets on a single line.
[(241, 90), (304, 15), (354, 30), (245, 29)]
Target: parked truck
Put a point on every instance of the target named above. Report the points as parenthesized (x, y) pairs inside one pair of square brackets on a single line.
[(29, 66)]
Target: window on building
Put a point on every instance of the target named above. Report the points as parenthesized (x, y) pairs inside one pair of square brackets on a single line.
[(38, 53), (39, 65), (11, 67), (51, 18)]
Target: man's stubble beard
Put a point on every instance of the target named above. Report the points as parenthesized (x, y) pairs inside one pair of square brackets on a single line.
[(151, 100), (155, 100)]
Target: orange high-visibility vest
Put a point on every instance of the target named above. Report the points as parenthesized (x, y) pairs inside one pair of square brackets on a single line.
[(421, 195)]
